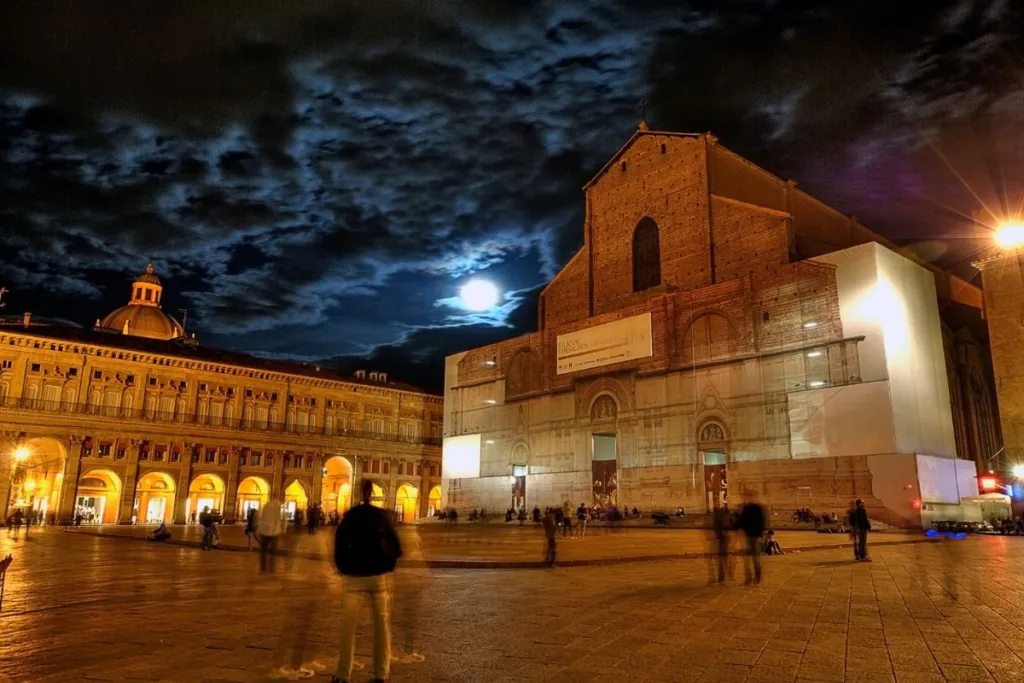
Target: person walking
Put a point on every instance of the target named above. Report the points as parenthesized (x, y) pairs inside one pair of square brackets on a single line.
[(366, 550), (860, 525), (313, 519), (751, 521), (581, 520), (250, 526), (206, 521), (550, 531), (720, 524), (269, 529), (15, 523)]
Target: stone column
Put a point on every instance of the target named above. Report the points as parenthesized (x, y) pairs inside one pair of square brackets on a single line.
[(278, 482), (424, 504), (231, 486), (392, 497), (69, 487), (318, 479), (358, 467), (184, 479), (9, 441), (131, 482)]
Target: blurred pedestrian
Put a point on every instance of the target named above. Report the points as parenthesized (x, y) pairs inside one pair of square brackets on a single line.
[(751, 522), (566, 519), (550, 529), (206, 520), (860, 525), (269, 528), (14, 523), (720, 523), (366, 550), (250, 527), (581, 520)]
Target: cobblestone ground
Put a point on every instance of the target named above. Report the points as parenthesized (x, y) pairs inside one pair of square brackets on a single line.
[(82, 608), (510, 543)]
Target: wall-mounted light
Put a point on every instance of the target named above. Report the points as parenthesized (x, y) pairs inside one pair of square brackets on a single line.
[(489, 441), (814, 354), (810, 324), (816, 384), (491, 362), (490, 401)]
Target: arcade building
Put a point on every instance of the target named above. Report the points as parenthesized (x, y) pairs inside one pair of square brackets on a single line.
[(134, 422), (722, 333)]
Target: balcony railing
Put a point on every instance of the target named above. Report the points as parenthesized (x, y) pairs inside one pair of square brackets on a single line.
[(239, 423)]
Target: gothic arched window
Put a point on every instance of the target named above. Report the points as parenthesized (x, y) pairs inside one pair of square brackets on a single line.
[(646, 255)]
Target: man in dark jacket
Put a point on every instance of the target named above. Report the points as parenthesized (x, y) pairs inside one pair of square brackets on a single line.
[(752, 523), (859, 527), (366, 550)]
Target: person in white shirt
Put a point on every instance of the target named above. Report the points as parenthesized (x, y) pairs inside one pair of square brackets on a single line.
[(269, 529)]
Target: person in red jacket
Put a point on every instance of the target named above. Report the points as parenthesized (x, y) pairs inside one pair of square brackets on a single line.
[(366, 550)]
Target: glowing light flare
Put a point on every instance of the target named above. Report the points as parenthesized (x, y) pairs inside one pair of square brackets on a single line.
[(1010, 235), (21, 453), (1018, 471), (479, 295), (988, 483), (29, 485)]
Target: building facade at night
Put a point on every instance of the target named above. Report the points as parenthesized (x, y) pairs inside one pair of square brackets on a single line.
[(722, 333), (132, 421)]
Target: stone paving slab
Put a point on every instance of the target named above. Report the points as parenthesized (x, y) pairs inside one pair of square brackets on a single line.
[(85, 608), (500, 546)]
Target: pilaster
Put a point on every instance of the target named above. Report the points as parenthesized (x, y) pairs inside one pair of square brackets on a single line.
[(392, 497), (131, 483), (9, 441), (318, 478), (231, 486), (184, 479), (69, 486)]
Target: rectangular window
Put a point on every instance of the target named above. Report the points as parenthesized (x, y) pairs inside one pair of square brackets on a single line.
[(104, 450), (211, 455), (273, 396), (433, 470), (176, 456), (97, 374), (149, 295), (386, 467), (158, 455), (248, 393), (312, 402), (120, 454), (419, 469), (298, 461), (224, 458), (375, 466), (309, 463), (255, 461), (378, 428), (152, 381), (269, 462), (143, 453), (6, 364), (242, 459), (72, 372), (286, 461), (35, 367)]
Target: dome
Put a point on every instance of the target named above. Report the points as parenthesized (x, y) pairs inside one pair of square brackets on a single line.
[(143, 321)]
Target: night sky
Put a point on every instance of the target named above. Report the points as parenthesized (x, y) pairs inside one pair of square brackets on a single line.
[(316, 180)]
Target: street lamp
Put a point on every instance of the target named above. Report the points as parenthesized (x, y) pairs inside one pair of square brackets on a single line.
[(1010, 235), (21, 453)]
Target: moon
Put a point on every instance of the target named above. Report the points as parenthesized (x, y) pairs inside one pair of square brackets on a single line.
[(479, 295)]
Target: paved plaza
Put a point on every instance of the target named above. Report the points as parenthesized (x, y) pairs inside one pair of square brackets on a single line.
[(81, 608)]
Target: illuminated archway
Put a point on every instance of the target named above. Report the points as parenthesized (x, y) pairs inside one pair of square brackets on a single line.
[(406, 502), (37, 477), (434, 501), (295, 499), (379, 496), (156, 499), (253, 493), (99, 497), (205, 491), (336, 488)]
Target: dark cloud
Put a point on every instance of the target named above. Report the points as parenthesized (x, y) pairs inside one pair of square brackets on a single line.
[(317, 180)]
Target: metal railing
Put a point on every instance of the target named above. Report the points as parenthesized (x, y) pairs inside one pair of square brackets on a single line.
[(207, 419)]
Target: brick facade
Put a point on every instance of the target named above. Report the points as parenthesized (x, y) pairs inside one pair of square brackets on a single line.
[(740, 325)]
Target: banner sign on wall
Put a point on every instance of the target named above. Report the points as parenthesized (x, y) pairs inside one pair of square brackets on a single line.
[(614, 342)]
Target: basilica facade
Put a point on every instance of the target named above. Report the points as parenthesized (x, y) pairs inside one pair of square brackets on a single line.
[(721, 333), (134, 422)]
